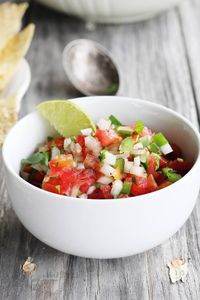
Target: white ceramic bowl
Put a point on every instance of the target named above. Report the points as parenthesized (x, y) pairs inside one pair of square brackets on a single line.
[(19, 83), (103, 228), (111, 11)]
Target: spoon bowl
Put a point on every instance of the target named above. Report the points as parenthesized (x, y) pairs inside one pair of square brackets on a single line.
[(90, 68)]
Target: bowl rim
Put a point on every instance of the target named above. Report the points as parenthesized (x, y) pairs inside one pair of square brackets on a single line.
[(117, 200)]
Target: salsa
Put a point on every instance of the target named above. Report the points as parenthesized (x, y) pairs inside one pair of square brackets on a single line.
[(115, 161)]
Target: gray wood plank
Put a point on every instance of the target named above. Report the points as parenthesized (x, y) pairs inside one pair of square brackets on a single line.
[(154, 65)]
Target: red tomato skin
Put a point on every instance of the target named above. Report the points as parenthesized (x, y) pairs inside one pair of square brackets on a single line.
[(151, 169), (139, 187), (97, 194), (107, 137), (106, 191), (151, 184), (162, 162), (51, 184), (81, 140), (59, 142)]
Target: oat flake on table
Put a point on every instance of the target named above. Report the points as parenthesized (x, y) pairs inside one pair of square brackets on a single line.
[(28, 266), (178, 269)]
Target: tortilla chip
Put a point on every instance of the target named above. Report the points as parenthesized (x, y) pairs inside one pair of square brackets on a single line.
[(8, 116), (12, 53), (10, 20)]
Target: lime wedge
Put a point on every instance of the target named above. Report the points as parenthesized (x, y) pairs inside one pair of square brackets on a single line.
[(65, 116)]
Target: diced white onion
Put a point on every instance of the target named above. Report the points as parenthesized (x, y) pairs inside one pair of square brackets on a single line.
[(67, 142), (78, 148), (54, 152), (138, 171), (105, 180), (75, 191), (180, 159), (72, 147), (165, 149), (80, 166), (86, 131), (138, 152), (116, 187), (136, 161), (138, 146), (127, 165), (83, 196), (104, 124), (93, 144), (91, 190), (110, 158), (107, 170), (143, 158)]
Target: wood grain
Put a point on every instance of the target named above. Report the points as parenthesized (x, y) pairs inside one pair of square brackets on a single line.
[(158, 60)]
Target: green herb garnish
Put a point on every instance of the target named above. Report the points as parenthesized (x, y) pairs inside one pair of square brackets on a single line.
[(38, 157)]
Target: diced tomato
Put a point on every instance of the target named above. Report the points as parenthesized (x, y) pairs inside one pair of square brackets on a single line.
[(178, 166), (151, 165), (81, 140), (159, 177), (85, 180), (92, 162), (59, 142), (151, 183), (60, 162), (164, 184), (162, 162), (128, 177), (139, 187), (106, 191), (107, 137), (97, 194), (53, 184)]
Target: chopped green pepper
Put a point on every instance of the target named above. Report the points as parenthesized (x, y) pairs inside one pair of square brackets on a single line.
[(120, 164), (160, 139), (139, 126), (145, 141), (154, 148), (171, 174), (126, 189), (126, 145), (115, 121)]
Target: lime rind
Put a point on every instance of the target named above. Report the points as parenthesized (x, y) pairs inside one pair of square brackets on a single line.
[(65, 116)]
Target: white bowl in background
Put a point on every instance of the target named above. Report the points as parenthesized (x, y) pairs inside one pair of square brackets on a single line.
[(111, 11), (103, 228), (19, 83)]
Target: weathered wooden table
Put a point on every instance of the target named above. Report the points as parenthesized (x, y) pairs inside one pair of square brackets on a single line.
[(159, 60)]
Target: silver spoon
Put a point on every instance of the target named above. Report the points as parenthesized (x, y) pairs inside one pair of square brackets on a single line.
[(90, 68)]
